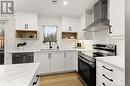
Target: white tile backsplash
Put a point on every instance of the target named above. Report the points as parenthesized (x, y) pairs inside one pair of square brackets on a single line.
[(103, 37)]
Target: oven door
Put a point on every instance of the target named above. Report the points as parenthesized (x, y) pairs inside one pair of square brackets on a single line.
[(87, 71)]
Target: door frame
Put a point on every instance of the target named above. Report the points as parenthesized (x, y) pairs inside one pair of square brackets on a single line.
[(5, 26), (5, 20)]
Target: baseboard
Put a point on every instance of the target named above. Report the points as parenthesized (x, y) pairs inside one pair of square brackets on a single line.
[(56, 73)]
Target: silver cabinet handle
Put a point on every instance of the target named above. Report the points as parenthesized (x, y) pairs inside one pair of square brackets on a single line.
[(107, 68), (26, 26), (65, 54), (107, 77), (110, 31)]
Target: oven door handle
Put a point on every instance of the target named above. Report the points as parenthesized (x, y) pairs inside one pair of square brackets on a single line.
[(88, 62)]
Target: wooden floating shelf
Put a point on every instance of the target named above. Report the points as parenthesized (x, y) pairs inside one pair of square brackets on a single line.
[(26, 34), (69, 35)]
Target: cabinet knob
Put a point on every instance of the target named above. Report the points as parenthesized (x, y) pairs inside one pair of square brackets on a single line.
[(104, 84)]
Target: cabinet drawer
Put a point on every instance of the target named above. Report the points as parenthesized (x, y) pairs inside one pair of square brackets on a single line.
[(111, 70), (101, 81)]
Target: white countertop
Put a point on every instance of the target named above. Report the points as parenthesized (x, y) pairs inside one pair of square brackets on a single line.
[(46, 50), (17, 74), (116, 61)]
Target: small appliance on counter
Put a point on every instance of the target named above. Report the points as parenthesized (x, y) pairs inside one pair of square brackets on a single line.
[(79, 45), (87, 62)]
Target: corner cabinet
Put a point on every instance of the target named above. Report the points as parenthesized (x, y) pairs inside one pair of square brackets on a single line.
[(117, 17), (26, 21)]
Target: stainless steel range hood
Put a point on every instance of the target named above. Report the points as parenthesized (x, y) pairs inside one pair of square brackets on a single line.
[(100, 17)]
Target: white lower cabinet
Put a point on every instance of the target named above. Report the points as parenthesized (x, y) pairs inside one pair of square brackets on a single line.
[(108, 75), (56, 61), (70, 61), (44, 60), (51, 62)]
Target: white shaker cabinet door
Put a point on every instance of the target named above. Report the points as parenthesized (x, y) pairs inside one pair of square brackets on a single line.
[(44, 62), (20, 21), (25, 21), (70, 61), (117, 19), (56, 61)]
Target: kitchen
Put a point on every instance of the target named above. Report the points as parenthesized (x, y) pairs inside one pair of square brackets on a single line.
[(58, 38)]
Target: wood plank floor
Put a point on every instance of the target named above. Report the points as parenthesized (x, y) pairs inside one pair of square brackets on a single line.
[(69, 79)]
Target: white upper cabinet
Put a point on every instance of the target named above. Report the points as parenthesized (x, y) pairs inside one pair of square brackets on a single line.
[(25, 21), (69, 24), (86, 19), (116, 15)]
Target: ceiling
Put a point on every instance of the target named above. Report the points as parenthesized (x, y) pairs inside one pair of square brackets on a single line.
[(45, 7)]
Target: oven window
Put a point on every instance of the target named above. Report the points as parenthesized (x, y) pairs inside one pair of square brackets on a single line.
[(84, 69)]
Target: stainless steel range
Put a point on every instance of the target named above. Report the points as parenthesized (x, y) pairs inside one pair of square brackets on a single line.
[(87, 62)]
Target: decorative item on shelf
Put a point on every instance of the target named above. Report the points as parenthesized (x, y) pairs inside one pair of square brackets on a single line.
[(31, 35), (72, 37), (21, 45)]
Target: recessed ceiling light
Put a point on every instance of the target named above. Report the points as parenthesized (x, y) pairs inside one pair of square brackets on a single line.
[(65, 3)]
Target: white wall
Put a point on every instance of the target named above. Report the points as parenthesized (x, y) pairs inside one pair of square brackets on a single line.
[(52, 21)]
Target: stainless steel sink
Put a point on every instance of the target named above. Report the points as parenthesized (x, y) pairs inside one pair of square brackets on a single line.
[(47, 50)]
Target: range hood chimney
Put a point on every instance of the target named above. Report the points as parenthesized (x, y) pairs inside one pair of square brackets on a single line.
[(100, 17)]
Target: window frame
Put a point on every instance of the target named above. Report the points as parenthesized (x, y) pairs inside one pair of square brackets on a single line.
[(43, 31)]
